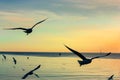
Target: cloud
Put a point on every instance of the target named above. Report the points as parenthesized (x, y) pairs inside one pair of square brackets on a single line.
[(17, 18), (5, 13), (85, 6), (96, 2), (63, 16), (95, 5), (28, 16), (108, 2), (14, 17)]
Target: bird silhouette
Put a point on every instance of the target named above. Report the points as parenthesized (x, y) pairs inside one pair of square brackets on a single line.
[(27, 57), (23, 69), (111, 77), (84, 59), (31, 72), (27, 30), (60, 54), (14, 60), (4, 57)]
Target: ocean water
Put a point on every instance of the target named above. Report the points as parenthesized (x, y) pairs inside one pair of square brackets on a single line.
[(55, 67)]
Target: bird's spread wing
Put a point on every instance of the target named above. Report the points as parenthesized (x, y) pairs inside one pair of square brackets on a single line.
[(16, 29), (36, 68), (38, 23), (25, 76), (36, 75), (77, 53), (111, 77), (102, 55)]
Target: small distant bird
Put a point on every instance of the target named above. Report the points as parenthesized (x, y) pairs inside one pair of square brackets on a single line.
[(27, 57), (84, 59), (23, 69), (59, 54), (4, 56), (14, 60), (111, 77), (27, 30), (31, 72)]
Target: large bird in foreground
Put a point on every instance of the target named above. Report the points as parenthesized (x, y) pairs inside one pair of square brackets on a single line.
[(31, 72), (84, 59), (27, 30), (111, 77)]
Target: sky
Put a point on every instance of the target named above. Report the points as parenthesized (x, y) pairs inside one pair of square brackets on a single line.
[(84, 25)]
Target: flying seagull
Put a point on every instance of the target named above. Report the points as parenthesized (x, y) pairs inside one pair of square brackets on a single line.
[(27, 57), (31, 72), (60, 54), (23, 69), (111, 77), (14, 60), (84, 59), (27, 30), (4, 56)]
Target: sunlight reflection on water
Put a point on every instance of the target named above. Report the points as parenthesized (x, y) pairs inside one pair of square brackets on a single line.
[(58, 68)]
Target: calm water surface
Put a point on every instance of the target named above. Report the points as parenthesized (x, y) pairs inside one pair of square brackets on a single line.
[(58, 68)]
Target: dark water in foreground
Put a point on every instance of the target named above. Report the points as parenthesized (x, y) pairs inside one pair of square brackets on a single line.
[(55, 67)]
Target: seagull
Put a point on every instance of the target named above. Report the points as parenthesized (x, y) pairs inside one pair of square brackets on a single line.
[(27, 57), (84, 59), (31, 72), (23, 69), (59, 54), (27, 30), (111, 77), (4, 56), (14, 60)]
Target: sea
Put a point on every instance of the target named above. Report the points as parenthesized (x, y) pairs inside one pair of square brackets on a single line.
[(58, 66)]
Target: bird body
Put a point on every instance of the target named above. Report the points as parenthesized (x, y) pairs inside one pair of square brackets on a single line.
[(60, 54), (14, 60), (27, 57), (87, 61), (28, 31), (4, 56), (84, 59)]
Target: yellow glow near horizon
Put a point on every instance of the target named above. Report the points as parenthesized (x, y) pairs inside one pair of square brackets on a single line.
[(83, 41)]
